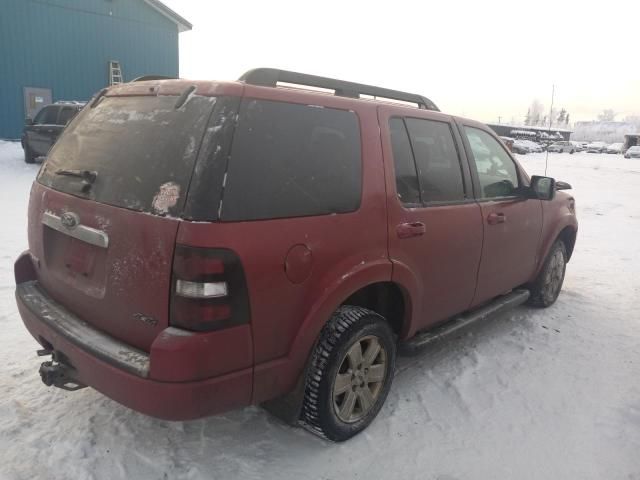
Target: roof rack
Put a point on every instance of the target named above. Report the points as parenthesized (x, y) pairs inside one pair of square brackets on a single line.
[(152, 77), (269, 77)]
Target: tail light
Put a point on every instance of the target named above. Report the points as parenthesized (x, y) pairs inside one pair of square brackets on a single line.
[(208, 289)]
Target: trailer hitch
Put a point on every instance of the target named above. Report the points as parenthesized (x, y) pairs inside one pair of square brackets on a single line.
[(58, 372)]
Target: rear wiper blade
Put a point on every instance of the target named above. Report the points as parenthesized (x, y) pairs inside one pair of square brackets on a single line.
[(87, 176)]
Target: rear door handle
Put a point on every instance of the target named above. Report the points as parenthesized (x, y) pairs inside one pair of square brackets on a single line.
[(495, 218), (413, 229)]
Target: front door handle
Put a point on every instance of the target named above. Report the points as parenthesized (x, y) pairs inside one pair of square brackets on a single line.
[(495, 218), (413, 229)]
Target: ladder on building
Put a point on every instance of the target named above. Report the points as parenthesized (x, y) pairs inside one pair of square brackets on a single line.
[(115, 73)]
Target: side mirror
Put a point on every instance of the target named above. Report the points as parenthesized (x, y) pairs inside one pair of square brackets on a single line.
[(28, 121), (563, 186), (543, 188)]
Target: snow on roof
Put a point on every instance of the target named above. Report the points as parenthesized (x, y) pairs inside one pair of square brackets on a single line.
[(183, 25), (531, 127), (521, 132)]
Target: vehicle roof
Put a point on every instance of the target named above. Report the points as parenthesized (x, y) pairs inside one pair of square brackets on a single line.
[(283, 93), (72, 103)]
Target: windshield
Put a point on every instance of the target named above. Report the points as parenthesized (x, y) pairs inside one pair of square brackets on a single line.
[(131, 152)]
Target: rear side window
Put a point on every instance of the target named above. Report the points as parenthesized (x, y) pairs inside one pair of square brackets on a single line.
[(437, 160), (290, 160), (47, 116), (426, 161), (137, 152), (407, 185)]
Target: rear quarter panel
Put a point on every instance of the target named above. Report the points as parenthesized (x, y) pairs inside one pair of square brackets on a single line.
[(348, 252)]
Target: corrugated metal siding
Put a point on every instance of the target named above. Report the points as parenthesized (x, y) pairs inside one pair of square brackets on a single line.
[(65, 45)]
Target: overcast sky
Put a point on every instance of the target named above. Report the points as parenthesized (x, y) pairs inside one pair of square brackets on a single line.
[(480, 59)]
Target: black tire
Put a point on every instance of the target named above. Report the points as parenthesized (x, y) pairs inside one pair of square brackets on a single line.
[(572, 152), (28, 156), (547, 285), (348, 325)]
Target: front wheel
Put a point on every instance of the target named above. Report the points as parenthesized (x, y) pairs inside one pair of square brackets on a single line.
[(572, 152), (28, 155), (547, 285), (350, 373)]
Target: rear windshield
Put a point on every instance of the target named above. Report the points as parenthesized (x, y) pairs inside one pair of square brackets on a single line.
[(131, 152)]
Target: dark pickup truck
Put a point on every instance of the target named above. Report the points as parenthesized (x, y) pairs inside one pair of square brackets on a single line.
[(41, 132)]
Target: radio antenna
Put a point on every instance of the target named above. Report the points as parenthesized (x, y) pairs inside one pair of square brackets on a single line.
[(546, 161)]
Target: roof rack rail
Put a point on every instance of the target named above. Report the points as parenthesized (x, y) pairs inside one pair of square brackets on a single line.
[(152, 77), (69, 102), (269, 77)]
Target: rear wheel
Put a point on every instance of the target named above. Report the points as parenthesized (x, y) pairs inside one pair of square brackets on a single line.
[(572, 152), (546, 287), (350, 373)]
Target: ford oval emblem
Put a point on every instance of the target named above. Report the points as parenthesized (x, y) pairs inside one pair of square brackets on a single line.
[(69, 220)]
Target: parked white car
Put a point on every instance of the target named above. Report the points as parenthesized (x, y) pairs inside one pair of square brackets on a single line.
[(520, 147), (615, 148), (561, 147), (596, 147), (633, 152), (532, 146)]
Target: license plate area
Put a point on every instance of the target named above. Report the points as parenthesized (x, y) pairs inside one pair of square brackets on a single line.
[(80, 258), (75, 262)]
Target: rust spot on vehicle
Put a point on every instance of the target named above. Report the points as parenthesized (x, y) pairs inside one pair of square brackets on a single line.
[(145, 319)]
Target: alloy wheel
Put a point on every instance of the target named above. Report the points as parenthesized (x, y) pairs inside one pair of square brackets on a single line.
[(360, 379)]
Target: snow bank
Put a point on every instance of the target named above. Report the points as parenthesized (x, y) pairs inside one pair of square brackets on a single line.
[(536, 394)]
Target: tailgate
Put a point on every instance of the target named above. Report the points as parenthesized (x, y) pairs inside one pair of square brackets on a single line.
[(112, 268)]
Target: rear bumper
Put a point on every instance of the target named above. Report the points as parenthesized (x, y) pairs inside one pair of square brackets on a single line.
[(122, 372)]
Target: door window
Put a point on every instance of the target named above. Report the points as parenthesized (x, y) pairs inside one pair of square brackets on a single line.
[(497, 173), (437, 160), (426, 161), (407, 186)]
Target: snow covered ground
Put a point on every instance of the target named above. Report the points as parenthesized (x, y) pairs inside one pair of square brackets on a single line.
[(536, 394)]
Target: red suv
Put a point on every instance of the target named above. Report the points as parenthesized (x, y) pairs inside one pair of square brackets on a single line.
[(199, 246)]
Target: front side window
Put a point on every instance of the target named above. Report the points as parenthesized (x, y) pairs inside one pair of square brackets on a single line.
[(291, 160), (497, 173), (47, 116)]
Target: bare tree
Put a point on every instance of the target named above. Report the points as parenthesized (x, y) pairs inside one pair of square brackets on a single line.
[(562, 116), (536, 111), (607, 115)]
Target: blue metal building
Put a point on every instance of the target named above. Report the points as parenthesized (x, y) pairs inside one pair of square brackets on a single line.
[(54, 50)]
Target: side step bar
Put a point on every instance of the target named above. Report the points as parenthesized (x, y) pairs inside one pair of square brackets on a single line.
[(499, 305)]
